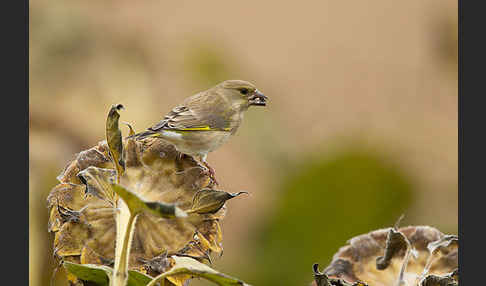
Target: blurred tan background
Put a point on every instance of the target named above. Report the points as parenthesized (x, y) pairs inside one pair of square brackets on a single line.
[(361, 125)]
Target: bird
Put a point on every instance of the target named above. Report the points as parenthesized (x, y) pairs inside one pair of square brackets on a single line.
[(205, 121)]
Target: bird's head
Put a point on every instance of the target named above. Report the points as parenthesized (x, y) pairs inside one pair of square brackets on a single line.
[(243, 93)]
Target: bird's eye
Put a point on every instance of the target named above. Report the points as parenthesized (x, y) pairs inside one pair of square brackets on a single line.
[(244, 91)]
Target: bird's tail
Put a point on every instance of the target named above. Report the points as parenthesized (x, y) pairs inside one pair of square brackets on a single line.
[(142, 135)]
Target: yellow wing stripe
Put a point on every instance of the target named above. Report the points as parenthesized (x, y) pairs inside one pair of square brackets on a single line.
[(204, 128), (197, 128)]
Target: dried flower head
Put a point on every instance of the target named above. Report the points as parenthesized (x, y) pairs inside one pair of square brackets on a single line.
[(413, 255), (82, 207)]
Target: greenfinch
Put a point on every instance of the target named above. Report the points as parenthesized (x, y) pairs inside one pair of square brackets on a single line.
[(206, 120)]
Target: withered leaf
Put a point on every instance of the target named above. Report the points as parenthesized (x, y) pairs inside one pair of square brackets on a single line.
[(212, 242), (67, 214), (395, 242), (158, 264), (192, 267), (114, 138), (209, 201), (443, 243), (137, 204), (436, 280), (320, 278), (447, 241), (97, 181), (70, 239), (197, 249), (454, 274), (131, 132)]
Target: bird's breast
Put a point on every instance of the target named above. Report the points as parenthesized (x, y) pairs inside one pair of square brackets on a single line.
[(196, 142)]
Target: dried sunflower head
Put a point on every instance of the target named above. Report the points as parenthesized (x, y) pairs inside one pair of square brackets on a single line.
[(413, 255), (82, 213)]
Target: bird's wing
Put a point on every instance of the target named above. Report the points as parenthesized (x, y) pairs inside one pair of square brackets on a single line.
[(198, 113)]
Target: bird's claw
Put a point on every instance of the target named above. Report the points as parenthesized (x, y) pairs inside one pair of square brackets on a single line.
[(213, 179), (207, 170), (210, 172)]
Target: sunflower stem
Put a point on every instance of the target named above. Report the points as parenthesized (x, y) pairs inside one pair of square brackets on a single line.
[(125, 226)]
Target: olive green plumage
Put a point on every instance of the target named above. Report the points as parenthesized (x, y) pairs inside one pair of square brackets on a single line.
[(206, 120)]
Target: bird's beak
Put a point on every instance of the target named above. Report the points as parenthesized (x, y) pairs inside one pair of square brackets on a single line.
[(257, 98)]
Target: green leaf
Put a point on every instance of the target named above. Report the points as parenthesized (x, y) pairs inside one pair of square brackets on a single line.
[(210, 201), (100, 274), (137, 204), (186, 265), (136, 278)]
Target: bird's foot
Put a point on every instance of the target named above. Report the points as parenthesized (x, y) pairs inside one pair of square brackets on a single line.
[(210, 172), (180, 158)]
